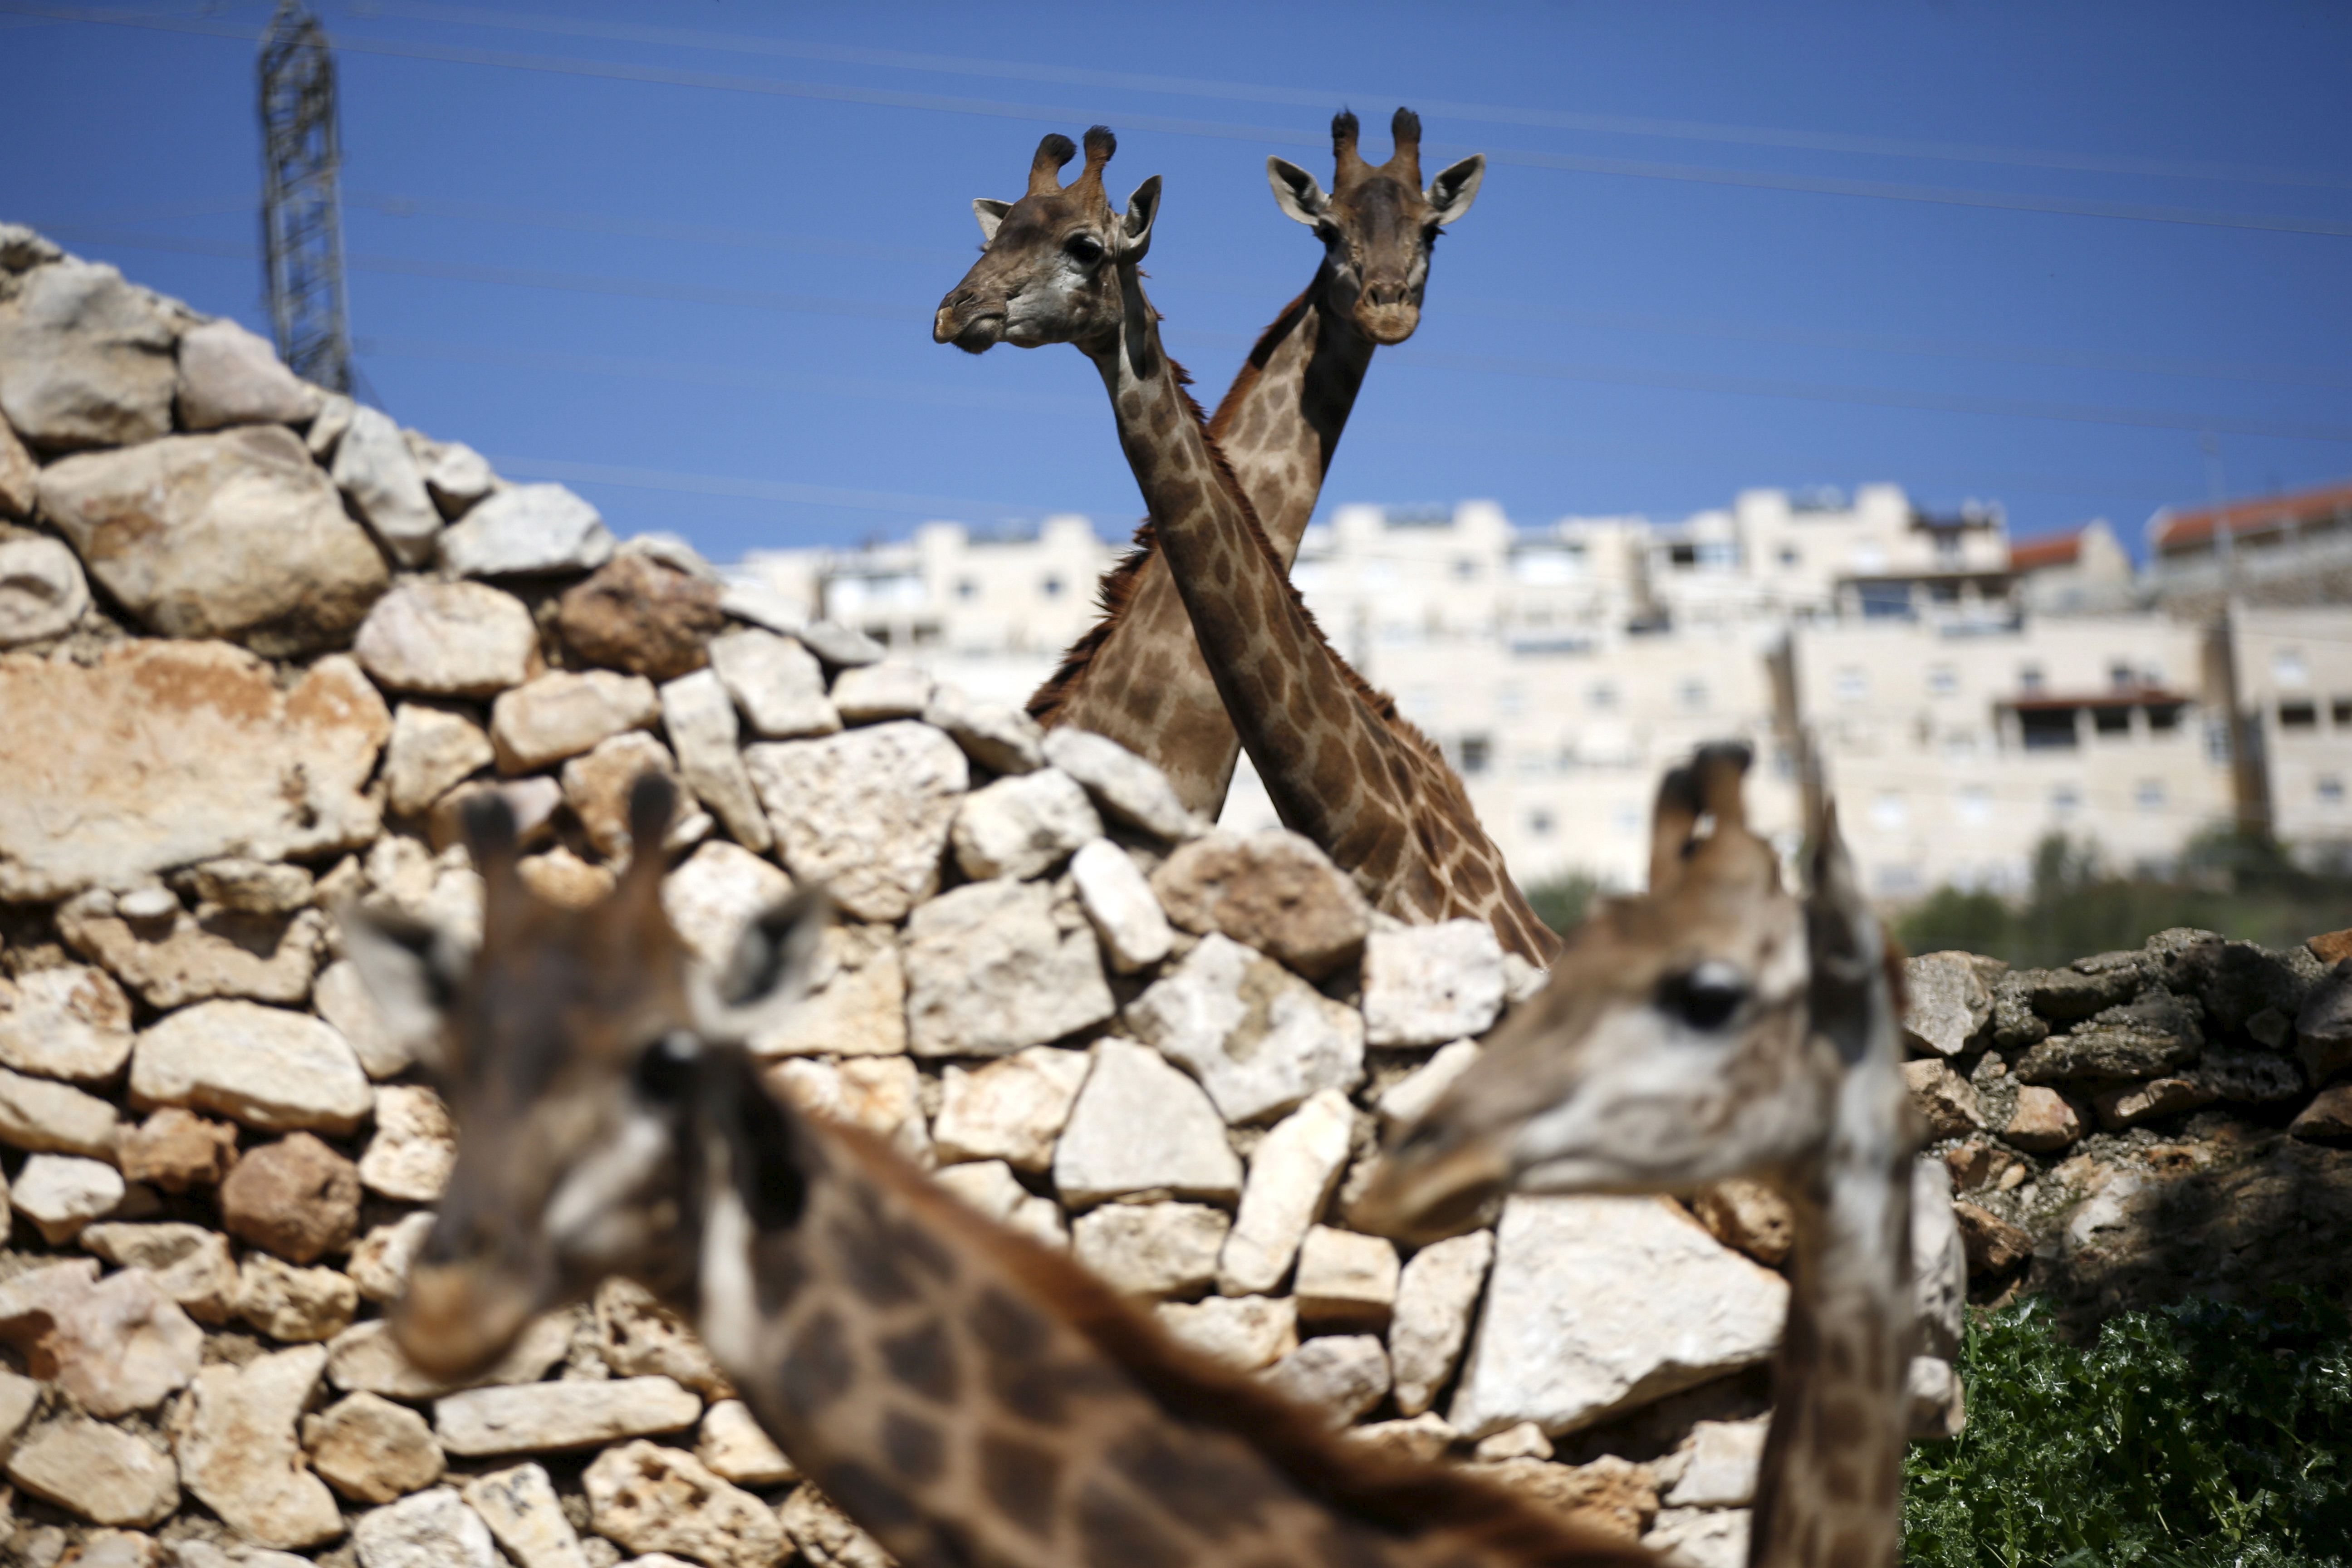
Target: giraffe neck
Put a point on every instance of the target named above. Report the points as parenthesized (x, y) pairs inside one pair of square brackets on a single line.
[(968, 1396), (1829, 1487), (1340, 764), (1138, 674)]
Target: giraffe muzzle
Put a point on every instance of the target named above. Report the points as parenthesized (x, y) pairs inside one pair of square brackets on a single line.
[(1387, 313), (970, 325)]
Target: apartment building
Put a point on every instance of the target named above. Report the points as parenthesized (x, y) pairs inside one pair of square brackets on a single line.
[(1969, 695)]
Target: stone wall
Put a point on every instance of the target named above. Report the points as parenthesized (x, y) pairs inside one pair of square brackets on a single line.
[(263, 643)]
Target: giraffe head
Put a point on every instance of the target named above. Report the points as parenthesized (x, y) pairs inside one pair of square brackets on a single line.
[(1672, 1048), (573, 1050), (1050, 263), (1377, 224)]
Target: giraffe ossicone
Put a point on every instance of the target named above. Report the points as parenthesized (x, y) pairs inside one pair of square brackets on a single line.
[(965, 1394), (1341, 766)]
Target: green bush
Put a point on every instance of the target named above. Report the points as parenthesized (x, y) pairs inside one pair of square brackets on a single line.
[(2200, 1434), (1561, 903)]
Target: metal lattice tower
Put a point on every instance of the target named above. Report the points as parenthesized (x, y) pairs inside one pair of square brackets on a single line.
[(301, 220)]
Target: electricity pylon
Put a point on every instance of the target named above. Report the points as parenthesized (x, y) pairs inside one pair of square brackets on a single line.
[(301, 220)]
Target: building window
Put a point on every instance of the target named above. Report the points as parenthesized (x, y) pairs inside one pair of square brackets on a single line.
[(2298, 713), (1720, 555), (2331, 791), (1539, 824), (1889, 812), (967, 588), (1790, 557), (2066, 800), (2287, 668), (2029, 680), (1051, 587), (2217, 740), (2148, 794), (1683, 557), (1464, 567), (2164, 716), (1603, 695), (1694, 695), (1477, 751), (1852, 683), (2339, 713), (1943, 680), (2111, 719), (2121, 676), (2047, 729), (1976, 804)]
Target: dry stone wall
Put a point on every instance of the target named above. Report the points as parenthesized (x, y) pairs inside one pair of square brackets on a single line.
[(261, 644)]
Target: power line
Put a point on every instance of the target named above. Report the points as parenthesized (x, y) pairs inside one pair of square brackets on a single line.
[(1226, 131)]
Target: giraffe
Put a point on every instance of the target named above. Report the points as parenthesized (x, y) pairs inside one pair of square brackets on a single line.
[(1340, 765), (1138, 674), (967, 1395), (1719, 1027)]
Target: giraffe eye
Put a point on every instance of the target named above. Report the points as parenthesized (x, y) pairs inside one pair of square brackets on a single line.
[(1706, 998), (1085, 249), (665, 1069)]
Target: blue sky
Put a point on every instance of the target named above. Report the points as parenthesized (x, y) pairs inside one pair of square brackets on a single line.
[(684, 253)]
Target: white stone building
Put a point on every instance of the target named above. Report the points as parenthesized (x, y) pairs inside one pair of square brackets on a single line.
[(1969, 696)]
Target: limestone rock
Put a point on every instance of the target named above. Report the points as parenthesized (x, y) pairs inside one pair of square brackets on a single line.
[(239, 1454), (637, 614), (296, 1306), (1345, 1280), (2137, 1103), (1523, 1441), (1422, 1438), (1610, 1494), (327, 427), (1700, 1538), (754, 603), (1342, 1374), (1601, 1304), (997, 735), (343, 1000), (2043, 1122), (2323, 1025), (432, 750), (1427, 984), (1120, 905), (990, 971), (1950, 1002), (20, 477), (1292, 1173), (1405, 1100), (69, 1022), (713, 897), (176, 1149), (652, 1499), (1747, 1216), (236, 535), (177, 957), (1140, 1126), (735, 1447), (161, 753), (700, 720), (2248, 1078), (248, 886), (1274, 891), (1011, 1110), (456, 476), (2154, 1034), (514, 1420), (990, 1187), (562, 714), (522, 1510), (867, 694), (824, 1534), (1724, 1457), (527, 531), (1023, 825), (777, 684), (1259, 1038), (865, 814), (876, 1093), (374, 469), (1939, 1263), (637, 1336), (448, 639), (2015, 1024), (1435, 1296), (115, 1345), (2327, 1118), (188, 1263), (430, 1529), (840, 646), (379, 1262), (1124, 786), (1150, 1249), (42, 590), (1943, 1097), (231, 376), (2067, 995), (371, 1450), (36, 1113), (416, 1144), (296, 1198), (62, 1192), (86, 358), (120, 1549), (857, 1003), (1244, 1332), (101, 1473), (1994, 1246), (363, 1358)]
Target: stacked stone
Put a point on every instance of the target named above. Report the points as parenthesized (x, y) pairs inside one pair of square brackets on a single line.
[(263, 645), (2138, 1124)]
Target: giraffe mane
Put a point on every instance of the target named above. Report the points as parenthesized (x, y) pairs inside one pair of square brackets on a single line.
[(1401, 1497)]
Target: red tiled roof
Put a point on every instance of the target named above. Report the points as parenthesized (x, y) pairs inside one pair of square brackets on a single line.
[(2050, 549), (2186, 525)]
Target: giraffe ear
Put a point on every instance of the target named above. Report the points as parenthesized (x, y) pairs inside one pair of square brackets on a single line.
[(1295, 192), (991, 213), (1135, 232), (770, 971), (1455, 188), (412, 971)]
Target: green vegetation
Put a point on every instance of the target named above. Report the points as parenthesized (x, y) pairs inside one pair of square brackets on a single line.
[(2193, 1435), (2242, 885), (1561, 903)]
